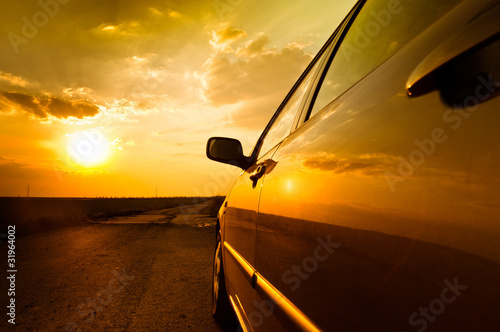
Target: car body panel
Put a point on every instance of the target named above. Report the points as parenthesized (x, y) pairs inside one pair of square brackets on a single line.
[(239, 234), (407, 217), (381, 212)]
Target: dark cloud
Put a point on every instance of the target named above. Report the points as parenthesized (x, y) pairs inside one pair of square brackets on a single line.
[(26, 102), (373, 164), (63, 108), (332, 165), (42, 106)]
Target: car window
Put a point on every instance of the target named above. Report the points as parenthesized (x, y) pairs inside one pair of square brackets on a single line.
[(283, 122), (379, 30)]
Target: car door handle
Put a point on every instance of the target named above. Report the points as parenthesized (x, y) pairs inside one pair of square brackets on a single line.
[(259, 172), (483, 29)]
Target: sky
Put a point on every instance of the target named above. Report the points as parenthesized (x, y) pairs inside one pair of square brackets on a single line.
[(118, 98)]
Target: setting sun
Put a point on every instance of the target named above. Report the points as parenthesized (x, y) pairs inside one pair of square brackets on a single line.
[(88, 148)]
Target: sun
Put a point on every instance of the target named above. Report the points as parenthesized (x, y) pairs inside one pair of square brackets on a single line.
[(88, 148)]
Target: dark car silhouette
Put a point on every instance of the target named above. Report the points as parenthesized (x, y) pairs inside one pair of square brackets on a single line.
[(371, 201)]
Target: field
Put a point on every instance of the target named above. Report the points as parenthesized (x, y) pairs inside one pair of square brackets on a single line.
[(36, 214)]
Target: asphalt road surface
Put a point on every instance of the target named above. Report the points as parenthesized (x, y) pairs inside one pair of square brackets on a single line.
[(150, 272)]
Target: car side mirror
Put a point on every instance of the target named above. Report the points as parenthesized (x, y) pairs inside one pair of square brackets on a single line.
[(227, 151)]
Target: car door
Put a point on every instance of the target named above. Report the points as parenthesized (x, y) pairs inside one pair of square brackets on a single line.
[(382, 211), (242, 204)]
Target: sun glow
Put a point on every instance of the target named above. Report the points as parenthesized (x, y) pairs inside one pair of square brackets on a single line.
[(88, 148)]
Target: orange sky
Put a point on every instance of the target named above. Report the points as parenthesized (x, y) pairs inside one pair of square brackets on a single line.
[(116, 98)]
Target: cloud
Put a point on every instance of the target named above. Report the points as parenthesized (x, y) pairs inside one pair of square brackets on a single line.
[(13, 80), (174, 14), (155, 12), (223, 38), (26, 103), (366, 164), (63, 108), (130, 28), (81, 93), (43, 106), (256, 78), (255, 46), (337, 166)]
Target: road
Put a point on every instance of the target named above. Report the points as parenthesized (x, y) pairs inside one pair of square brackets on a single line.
[(150, 272)]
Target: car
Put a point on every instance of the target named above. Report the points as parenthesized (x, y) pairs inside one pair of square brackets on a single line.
[(371, 200)]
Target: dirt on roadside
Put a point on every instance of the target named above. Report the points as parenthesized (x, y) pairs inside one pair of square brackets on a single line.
[(114, 277)]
